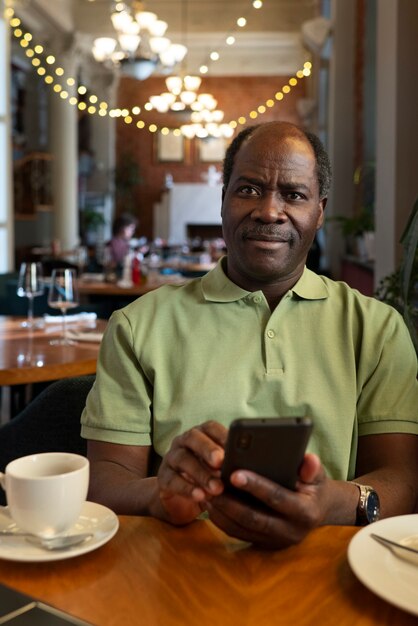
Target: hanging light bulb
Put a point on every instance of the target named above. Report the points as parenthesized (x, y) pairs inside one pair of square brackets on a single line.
[(159, 44), (192, 83), (158, 28), (187, 97), (159, 103), (103, 47), (174, 84), (208, 101), (121, 20), (129, 42), (145, 19)]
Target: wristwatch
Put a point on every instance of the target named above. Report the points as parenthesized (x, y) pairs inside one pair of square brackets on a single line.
[(368, 508)]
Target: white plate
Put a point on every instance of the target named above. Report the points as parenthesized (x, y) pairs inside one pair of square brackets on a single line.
[(94, 518), (393, 579)]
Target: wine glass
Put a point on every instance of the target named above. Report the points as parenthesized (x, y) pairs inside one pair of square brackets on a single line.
[(82, 258), (30, 285), (63, 295)]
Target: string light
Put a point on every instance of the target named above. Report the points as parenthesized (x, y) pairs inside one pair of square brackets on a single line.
[(103, 108), (241, 23)]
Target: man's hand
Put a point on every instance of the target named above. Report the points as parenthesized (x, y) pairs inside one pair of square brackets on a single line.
[(189, 482), (189, 474), (287, 515)]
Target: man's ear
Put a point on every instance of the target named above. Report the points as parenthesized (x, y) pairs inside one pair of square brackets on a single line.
[(223, 196), (322, 204)]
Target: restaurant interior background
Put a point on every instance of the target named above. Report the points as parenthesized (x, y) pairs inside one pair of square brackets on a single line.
[(76, 136)]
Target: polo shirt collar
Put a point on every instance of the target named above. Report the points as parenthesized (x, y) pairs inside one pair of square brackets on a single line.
[(217, 287), (310, 286)]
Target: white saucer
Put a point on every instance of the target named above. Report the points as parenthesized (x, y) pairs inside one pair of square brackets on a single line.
[(393, 579), (94, 518)]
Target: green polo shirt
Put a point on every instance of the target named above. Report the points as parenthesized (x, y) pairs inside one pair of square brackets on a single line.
[(209, 350)]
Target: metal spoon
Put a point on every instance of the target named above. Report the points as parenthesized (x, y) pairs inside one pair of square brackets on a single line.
[(50, 543), (405, 552), (59, 543)]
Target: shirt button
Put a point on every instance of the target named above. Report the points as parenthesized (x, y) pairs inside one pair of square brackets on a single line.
[(270, 334), (257, 299)]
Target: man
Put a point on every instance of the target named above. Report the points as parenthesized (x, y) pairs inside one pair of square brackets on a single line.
[(260, 335)]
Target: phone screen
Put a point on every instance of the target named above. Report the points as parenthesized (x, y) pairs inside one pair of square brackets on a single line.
[(271, 447)]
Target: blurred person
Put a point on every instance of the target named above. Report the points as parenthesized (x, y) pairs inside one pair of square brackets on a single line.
[(123, 229)]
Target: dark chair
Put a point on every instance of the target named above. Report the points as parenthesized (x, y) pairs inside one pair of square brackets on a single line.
[(50, 423), (4, 292)]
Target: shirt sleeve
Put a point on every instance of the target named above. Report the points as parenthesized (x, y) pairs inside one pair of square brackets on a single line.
[(388, 401), (118, 408)]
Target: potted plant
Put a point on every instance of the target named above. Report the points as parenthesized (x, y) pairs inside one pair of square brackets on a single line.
[(358, 232), (400, 289), (92, 222), (358, 229)]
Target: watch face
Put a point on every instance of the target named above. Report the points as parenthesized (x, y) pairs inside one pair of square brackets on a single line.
[(372, 507)]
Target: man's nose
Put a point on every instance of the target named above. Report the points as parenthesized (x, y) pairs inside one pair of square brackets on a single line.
[(270, 209)]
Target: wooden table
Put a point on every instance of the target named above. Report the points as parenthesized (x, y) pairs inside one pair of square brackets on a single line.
[(101, 288), (26, 356), (153, 574)]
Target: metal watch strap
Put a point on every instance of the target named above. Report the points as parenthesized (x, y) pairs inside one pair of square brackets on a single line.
[(365, 490)]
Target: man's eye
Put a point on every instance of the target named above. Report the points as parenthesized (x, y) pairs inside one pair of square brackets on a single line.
[(294, 195), (247, 190)]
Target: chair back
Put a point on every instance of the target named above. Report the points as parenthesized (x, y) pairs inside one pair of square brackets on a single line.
[(50, 423)]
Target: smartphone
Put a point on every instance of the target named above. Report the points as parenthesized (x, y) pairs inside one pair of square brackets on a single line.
[(271, 447)]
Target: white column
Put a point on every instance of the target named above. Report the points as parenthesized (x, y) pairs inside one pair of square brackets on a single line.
[(103, 129), (103, 143), (396, 128), (103, 136), (6, 184), (341, 124), (64, 134)]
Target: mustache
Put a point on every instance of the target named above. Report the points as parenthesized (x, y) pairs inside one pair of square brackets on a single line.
[(267, 231)]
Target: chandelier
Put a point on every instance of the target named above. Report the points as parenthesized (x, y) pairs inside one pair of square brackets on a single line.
[(141, 45), (182, 98)]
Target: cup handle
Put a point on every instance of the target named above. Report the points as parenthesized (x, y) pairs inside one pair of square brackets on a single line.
[(2, 478)]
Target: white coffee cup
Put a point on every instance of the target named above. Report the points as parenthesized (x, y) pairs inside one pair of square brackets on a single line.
[(45, 492)]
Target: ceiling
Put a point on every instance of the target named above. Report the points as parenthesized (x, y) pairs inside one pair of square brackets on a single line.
[(270, 44), (201, 16)]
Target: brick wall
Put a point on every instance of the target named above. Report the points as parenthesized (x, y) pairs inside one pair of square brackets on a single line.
[(236, 96)]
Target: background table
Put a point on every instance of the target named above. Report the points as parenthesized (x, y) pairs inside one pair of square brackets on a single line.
[(26, 355), (111, 296), (154, 574), (87, 286), (28, 362)]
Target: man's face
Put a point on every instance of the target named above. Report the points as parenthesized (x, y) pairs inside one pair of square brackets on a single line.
[(271, 208)]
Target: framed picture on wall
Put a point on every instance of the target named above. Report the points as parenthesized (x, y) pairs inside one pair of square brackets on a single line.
[(170, 148), (212, 149)]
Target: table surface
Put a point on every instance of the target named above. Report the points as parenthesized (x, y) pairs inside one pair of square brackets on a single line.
[(97, 287), (26, 356), (154, 574), (92, 286)]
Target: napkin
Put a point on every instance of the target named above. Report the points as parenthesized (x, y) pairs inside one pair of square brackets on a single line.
[(79, 335), (77, 317), (92, 278)]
